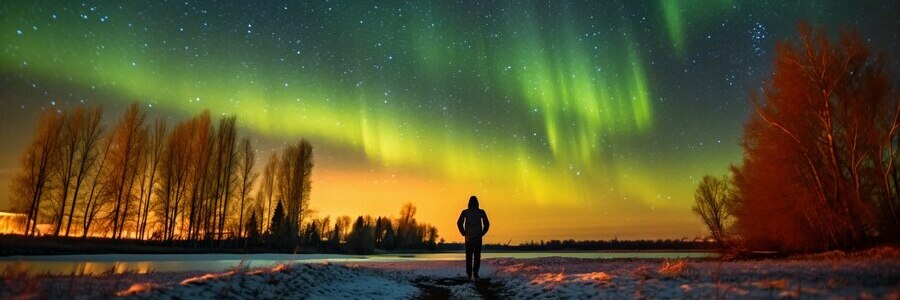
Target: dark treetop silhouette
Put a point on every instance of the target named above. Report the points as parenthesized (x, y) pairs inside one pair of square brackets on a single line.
[(470, 225)]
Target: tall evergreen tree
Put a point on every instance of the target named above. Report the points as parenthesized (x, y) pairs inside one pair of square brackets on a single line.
[(252, 228), (277, 228)]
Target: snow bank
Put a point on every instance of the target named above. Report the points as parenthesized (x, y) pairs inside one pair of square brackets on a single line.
[(299, 281)]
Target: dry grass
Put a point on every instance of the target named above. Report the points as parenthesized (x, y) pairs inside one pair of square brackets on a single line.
[(674, 268), (878, 253), (136, 289)]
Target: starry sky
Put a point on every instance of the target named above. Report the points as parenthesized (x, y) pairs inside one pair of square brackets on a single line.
[(584, 120)]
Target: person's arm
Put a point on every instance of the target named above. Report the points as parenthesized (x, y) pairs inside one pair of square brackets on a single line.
[(460, 221), (487, 224)]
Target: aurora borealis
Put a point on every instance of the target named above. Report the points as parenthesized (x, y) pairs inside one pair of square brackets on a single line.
[(569, 120)]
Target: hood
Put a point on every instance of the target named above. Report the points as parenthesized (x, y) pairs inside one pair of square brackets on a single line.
[(473, 202)]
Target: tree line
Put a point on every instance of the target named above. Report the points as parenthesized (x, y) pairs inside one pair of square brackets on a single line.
[(194, 181), (142, 179), (820, 167), (343, 234)]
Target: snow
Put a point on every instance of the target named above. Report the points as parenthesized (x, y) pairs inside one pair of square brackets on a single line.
[(830, 276), (298, 281), (662, 279), (19, 286)]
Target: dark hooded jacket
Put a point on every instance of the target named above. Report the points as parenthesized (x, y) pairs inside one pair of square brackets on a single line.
[(473, 222)]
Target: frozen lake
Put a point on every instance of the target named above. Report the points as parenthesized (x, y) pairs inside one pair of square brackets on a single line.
[(93, 264)]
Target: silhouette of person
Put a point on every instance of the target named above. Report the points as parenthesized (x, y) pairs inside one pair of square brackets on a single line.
[(473, 224)]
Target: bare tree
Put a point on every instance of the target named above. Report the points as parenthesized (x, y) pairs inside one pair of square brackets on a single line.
[(294, 183), (148, 180), (341, 229), (711, 204), (225, 169), (246, 161), (179, 158), (267, 188), (68, 150), (89, 134), (37, 165), (128, 138), (200, 139), (91, 207), (406, 226)]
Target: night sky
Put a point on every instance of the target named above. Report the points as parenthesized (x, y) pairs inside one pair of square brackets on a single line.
[(569, 120)]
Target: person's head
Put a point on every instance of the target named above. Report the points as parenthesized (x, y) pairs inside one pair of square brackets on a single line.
[(473, 202)]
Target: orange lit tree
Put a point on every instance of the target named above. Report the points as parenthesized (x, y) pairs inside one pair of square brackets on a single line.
[(819, 169)]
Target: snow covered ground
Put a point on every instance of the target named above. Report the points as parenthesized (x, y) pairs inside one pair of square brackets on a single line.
[(299, 281), (841, 276), (591, 279)]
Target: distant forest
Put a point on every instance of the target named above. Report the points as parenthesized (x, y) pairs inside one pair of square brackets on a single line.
[(193, 181), (597, 245)]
